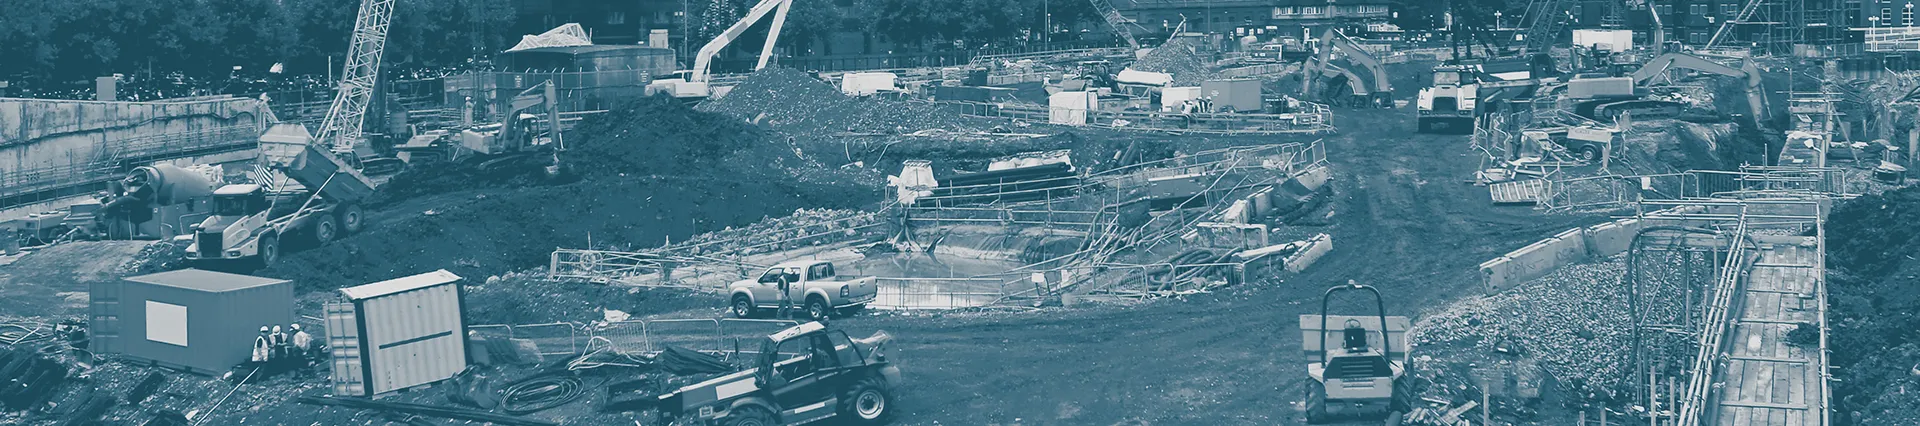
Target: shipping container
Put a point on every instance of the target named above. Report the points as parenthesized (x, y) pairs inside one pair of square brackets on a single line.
[(1589, 88), (397, 334), (1240, 94), (195, 320)]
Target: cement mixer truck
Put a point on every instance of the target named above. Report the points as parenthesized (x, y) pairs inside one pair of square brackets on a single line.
[(250, 222), (155, 201)]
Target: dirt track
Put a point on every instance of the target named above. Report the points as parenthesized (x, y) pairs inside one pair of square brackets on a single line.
[(1405, 222)]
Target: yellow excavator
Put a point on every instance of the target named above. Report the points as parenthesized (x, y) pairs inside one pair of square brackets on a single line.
[(1363, 372), (1372, 89)]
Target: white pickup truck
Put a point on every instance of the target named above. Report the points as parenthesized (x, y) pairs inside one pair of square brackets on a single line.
[(811, 284)]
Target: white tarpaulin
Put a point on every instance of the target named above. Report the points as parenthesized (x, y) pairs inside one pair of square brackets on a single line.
[(565, 35), (1071, 107), (1131, 76)]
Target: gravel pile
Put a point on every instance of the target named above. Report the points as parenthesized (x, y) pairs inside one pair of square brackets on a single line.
[(1184, 57), (802, 223), (1574, 322), (794, 101)]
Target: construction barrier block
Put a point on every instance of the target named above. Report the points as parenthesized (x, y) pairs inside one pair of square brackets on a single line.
[(1314, 178), (1497, 275), (1540, 258), (1611, 238), (1316, 247)]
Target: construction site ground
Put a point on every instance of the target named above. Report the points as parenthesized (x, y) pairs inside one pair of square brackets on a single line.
[(1404, 220)]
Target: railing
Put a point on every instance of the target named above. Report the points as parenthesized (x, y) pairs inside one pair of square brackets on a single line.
[(939, 293), (1006, 215), (1756, 182), (1313, 119)]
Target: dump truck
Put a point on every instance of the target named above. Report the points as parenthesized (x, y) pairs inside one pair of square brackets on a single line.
[(811, 286), (802, 374), (250, 222), (1361, 373)]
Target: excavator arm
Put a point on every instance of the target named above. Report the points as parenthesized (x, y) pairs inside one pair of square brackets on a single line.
[(1320, 64), (1756, 101), (704, 59)]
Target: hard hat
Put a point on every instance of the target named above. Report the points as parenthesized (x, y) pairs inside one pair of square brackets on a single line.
[(263, 329), (295, 327), (276, 329)]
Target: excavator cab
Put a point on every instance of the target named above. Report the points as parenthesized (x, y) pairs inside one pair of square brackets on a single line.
[(1353, 376)]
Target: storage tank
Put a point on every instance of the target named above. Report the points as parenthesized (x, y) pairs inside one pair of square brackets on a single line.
[(195, 320)]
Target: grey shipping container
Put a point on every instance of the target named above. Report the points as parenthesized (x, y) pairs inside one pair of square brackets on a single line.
[(195, 320), (397, 334), (1241, 94), (1589, 88)]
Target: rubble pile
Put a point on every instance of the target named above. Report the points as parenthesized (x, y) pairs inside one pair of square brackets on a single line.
[(1575, 322), (796, 102), (1183, 57), (802, 223), (527, 297), (161, 256)]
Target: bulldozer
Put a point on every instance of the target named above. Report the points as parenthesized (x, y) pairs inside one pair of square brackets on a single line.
[(1361, 373)]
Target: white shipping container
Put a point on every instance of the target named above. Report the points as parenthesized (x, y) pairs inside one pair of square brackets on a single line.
[(1172, 97), (867, 83), (1614, 40), (400, 333)]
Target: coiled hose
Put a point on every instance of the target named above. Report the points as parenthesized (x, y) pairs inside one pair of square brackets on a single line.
[(541, 392)]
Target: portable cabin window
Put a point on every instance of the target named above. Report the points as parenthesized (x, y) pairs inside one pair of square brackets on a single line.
[(167, 323)]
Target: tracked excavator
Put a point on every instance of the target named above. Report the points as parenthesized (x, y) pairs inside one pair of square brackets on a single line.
[(1606, 98), (692, 85), (1362, 372), (1372, 89)]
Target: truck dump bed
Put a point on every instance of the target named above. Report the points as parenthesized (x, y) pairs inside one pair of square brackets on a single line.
[(289, 148)]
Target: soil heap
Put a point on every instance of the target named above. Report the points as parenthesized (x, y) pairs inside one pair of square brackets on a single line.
[(1183, 57), (795, 102), (649, 171), (1871, 304)]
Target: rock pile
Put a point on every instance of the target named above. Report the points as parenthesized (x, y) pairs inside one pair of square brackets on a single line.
[(796, 102), (1575, 322), (1183, 57)]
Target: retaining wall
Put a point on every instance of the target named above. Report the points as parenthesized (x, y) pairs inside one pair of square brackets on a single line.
[(38, 133)]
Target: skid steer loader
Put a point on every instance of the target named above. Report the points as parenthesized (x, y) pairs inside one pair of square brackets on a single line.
[(1360, 372)]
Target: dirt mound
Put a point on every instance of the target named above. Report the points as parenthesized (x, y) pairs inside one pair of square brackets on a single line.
[(1668, 146), (1184, 57), (649, 171), (796, 102), (1870, 241)]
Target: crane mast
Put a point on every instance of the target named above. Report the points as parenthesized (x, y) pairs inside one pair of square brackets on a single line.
[(1115, 21), (347, 116)]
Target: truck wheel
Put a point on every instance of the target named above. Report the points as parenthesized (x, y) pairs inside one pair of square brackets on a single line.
[(1316, 402), (817, 308), (1590, 154), (325, 229), (351, 219), (869, 403), (749, 416), (742, 306), (269, 250)]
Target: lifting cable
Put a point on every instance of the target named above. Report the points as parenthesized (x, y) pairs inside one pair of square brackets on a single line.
[(541, 392)]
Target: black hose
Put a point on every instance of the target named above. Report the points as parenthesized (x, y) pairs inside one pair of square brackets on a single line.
[(541, 392)]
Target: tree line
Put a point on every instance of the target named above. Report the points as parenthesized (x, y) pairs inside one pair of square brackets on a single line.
[(74, 41)]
